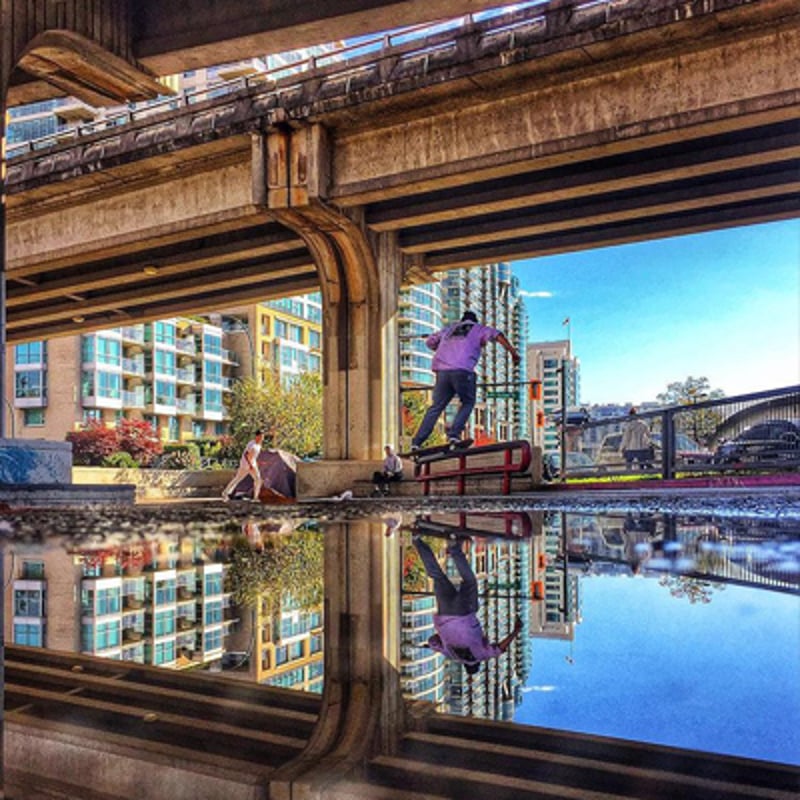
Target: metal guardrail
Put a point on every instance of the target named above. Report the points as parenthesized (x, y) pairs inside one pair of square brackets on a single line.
[(458, 466), (752, 432)]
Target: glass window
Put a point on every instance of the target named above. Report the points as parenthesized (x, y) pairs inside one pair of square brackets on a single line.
[(165, 333), (314, 339), (28, 603), (212, 343), (212, 640), (31, 635), (108, 601), (165, 592), (212, 399), (164, 623), (29, 383), (213, 612), (165, 362), (29, 353), (165, 393), (212, 371), (213, 583), (32, 570), (33, 417)]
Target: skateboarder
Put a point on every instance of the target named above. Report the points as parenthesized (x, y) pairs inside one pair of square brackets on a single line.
[(459, 635), (458, 348), (248, 465)]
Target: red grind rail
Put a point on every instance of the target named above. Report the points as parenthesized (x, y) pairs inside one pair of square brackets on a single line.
[(516, 460)]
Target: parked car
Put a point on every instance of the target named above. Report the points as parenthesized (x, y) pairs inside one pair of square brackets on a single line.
[(577, 462), (687, 451), (775, 439)]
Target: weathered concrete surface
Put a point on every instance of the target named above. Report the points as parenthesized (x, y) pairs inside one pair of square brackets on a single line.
[(31, 461)]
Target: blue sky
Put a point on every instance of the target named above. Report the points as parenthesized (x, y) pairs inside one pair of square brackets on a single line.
[(651, 667), (724, 305)]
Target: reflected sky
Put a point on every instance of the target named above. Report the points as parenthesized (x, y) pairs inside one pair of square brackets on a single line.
[(677, 630)]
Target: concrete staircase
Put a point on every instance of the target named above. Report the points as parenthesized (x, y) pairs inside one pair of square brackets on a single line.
[(459, 758)]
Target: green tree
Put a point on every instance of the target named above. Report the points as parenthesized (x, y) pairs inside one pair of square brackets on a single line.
[(287, 566), (290, 416), (699, 423)]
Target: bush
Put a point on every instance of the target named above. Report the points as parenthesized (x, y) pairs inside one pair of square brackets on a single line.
[(180, 456), (93, 445), (121, 460)]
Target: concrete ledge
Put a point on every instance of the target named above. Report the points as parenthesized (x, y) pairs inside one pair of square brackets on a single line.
[(59, 494), (329, 478), (154, 483)]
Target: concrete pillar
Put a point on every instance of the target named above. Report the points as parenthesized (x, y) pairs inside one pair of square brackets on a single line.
[(361, 699), (390, 275), (359, 300)]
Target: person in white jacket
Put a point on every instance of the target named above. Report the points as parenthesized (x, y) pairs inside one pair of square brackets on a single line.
[(248, 466)]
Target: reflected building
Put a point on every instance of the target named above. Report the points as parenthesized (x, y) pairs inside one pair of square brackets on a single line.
[(168, 603), (161, 603)]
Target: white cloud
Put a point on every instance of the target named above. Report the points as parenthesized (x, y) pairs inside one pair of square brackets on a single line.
[(525, 293)]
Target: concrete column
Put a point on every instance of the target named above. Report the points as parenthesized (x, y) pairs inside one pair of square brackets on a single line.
[(361, 699), (353, 294), (390, 276)]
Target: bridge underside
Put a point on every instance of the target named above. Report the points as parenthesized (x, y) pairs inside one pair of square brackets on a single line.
[(462, 157)]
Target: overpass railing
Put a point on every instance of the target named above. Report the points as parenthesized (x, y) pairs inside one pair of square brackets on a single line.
[(352, 58), (753, 432)]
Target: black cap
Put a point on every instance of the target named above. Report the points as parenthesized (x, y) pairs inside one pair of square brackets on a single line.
[(472, 668), (470, 316)]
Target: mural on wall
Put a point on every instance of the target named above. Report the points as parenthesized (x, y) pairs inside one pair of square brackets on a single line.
[(35, 462)]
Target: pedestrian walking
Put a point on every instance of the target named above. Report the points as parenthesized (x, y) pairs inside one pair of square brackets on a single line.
[(248, 466), (636, 442), (459, 635), (391, 470), (457, 350)]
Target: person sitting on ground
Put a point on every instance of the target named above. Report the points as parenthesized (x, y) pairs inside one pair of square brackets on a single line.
[(392, 470)]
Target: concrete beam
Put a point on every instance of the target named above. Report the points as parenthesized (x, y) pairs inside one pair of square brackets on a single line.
[(174, 35)]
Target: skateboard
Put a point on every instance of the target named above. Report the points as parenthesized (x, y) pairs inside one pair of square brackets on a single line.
[(438, 449)]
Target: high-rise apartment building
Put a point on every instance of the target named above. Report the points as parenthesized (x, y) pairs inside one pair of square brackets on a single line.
[(553, 364), (173, 373), (282, 336)]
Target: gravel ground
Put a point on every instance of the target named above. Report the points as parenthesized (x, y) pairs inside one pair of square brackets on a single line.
[(212, 517)]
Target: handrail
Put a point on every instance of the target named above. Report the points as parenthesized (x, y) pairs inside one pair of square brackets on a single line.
[(462, 471)]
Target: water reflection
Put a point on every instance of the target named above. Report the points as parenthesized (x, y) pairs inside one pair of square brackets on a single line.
[(613, 640), (680, 630)]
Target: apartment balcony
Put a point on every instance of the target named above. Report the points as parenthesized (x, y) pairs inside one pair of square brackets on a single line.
[(186, 346), (133, 367), (133, 339), (131, 602), (131, 635), (185, 375), (187, 406), (133, 399), (186, 593), (186, 624)]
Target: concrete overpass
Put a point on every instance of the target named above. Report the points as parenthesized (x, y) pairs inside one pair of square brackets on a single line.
[(563, 127)]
